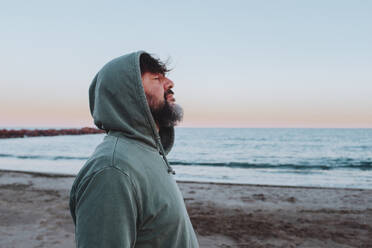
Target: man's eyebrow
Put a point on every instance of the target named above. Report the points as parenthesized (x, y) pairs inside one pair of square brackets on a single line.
[(159, 75)]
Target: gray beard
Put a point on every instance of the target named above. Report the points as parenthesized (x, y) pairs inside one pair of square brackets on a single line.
[(165, 114)]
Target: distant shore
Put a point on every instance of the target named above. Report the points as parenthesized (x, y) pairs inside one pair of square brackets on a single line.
[(34, 212), (22, 133)]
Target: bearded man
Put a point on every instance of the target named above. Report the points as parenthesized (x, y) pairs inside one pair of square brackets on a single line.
[(125, 194)]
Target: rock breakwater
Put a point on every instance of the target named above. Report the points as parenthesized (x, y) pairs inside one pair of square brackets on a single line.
[(22, 133)]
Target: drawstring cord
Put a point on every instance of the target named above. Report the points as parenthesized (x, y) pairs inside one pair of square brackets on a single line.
[(162, 153)]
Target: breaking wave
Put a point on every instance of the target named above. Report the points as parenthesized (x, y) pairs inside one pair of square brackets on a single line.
[(42, 157), (324, 164), (362, 165)]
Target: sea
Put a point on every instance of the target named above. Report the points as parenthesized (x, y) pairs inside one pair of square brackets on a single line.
[(340, 158)]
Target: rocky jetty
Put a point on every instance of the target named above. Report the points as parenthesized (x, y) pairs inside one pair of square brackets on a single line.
[(22, 133)]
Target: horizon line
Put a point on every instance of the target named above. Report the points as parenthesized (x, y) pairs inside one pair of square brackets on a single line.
[(193, 126)]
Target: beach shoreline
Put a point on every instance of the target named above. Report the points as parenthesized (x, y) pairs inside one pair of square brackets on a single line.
[(34, 213)]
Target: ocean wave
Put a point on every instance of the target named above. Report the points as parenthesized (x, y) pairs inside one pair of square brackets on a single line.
[(362, 165), (320, 164), (42, 157)]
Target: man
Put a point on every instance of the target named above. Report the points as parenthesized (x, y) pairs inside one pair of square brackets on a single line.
[(125, 195)]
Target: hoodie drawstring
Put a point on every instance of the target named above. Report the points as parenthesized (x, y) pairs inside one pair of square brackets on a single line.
[(162, 153)]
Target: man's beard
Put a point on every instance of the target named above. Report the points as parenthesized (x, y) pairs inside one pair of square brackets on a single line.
[(165, 114)]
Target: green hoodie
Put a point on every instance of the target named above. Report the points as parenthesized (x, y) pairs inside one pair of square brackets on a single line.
[(125, 194)]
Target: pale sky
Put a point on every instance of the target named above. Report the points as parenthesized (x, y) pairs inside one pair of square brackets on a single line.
[(236, 63)]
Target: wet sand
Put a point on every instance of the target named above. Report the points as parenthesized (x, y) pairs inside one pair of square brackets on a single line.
[(34, 213)]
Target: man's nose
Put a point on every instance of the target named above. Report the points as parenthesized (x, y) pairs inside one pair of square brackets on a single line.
[(168, 84)]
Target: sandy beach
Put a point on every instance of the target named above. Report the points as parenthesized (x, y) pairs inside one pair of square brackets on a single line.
[(34, 213)]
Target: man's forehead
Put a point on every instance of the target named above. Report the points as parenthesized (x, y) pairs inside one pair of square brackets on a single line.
[(155, 74)]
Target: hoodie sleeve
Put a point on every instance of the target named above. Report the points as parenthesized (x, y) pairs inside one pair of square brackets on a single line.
[(106, 211)]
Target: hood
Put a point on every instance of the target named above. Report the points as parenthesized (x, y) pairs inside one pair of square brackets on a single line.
[(118, 103)]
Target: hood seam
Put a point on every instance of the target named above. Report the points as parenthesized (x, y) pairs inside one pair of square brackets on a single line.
[(149, 118), (143, 100)]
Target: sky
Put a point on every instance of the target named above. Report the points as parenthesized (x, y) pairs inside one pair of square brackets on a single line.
[(235, 63)]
